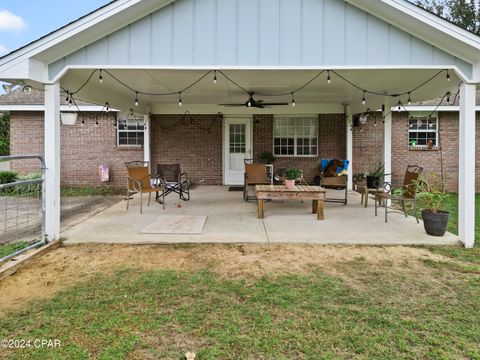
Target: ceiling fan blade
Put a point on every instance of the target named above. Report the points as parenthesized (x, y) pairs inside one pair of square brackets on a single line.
[(232, 105), (275, 104)]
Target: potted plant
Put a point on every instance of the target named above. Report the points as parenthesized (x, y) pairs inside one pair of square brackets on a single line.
[(374, 176), (291, 174), (432, 192), (267, 157)]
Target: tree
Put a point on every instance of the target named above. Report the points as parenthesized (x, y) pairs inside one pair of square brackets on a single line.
[(464, 13)]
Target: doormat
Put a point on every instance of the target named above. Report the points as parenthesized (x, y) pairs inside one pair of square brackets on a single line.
[(176, 224), (235, 188)]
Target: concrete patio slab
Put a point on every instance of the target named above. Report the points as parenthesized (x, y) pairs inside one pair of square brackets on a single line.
[(231, 220)]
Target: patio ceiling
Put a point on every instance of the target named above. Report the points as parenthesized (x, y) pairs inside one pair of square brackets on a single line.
[(204, 97)]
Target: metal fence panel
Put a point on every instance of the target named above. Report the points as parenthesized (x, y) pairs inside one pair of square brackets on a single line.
[(22, 211)]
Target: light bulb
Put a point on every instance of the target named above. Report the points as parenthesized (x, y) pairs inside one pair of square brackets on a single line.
[(409, 99), (136, 99), (364, 101), (448, 76), (215, 77), (329, 80), (180, 103), (293, 101), (100, 77)]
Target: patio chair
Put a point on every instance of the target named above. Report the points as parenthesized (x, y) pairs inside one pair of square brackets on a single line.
[(255, 174), (405, 193), (333, 176), (174, 180), (140, 181)]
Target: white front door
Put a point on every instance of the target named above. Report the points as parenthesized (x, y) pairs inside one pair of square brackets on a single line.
[(238, 147)]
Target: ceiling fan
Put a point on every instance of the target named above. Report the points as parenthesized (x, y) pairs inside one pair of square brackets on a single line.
[(251, 102)]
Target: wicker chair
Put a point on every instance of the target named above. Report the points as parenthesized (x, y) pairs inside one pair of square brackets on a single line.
[(255, 174), (140, 181), (405, 193), (339, 182)]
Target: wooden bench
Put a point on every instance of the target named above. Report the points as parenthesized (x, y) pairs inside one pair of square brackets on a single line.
[(300, 192)]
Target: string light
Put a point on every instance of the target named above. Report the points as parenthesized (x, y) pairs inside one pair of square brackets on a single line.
[(448, 98), (409, 99), (293, 101), (70, 99), (96, 122), (100, 77), (131, 112), (83, 122), (107, 107), (399, 106)]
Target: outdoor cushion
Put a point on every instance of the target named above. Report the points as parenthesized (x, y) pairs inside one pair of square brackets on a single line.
[(340, 170)]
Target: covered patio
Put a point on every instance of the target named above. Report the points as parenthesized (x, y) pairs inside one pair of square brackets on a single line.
[(229, 219), (361, 55)]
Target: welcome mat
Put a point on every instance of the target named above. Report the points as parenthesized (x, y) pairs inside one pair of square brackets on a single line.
[(235, 188), (176, 224)]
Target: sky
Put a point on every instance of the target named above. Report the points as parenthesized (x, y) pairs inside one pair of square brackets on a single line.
[(23, 21)]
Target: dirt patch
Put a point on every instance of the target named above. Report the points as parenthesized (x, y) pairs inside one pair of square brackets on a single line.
[(68, 265)]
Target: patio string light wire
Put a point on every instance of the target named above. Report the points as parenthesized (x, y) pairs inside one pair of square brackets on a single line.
[(137, 93)]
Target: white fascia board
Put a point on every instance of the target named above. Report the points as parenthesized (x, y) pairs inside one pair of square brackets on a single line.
[(426, 26), (83, 108), (103, 18)]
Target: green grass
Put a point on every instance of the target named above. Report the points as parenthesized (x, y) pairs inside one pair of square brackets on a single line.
[(92, 191), (163, 314), (470, 255), (8, 249)]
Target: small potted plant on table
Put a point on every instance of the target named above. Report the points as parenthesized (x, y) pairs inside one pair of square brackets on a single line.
[(432, 192), (374, 176), (291, 174)]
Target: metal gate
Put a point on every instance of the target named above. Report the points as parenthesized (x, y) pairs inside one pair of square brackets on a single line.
[(22, 209)]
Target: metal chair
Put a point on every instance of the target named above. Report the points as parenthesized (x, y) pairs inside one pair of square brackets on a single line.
[(140, 181), (174, 180), (406, 192), (255, 174)]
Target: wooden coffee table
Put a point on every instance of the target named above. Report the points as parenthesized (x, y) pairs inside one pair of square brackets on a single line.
[(301, 192)]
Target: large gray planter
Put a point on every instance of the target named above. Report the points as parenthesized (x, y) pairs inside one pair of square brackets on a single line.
[(435, 224)]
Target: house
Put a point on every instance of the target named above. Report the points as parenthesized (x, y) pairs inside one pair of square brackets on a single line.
[(116, 144), (201, 73)]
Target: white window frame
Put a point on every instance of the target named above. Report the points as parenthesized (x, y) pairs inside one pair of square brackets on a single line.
[(122, 119), (436, 130), (314, 117)]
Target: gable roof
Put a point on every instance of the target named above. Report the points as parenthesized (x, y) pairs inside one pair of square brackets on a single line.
[(31, 60), (17, 100)]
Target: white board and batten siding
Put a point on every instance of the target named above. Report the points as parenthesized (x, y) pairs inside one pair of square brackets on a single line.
[(260, 33)]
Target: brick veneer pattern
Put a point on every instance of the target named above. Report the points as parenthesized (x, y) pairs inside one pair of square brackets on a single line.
[(83, 148)]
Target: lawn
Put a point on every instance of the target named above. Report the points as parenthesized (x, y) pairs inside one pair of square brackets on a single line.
[(250, 302)]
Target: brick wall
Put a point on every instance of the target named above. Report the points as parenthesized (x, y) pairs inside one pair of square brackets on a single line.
[(196, 143), (193, 141), (402, 156), (82, 148), (331, 138)]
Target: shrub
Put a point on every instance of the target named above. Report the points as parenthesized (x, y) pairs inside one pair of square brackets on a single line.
[(7, 177)]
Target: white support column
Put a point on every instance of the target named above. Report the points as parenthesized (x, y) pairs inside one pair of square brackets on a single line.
[(146, 139), (52, 161), (349, 150), (387, 139), (466, 173)]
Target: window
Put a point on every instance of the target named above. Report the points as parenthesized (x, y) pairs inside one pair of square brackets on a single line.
[(237, 138), (423, 131), (295, 136), (130, 132)]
